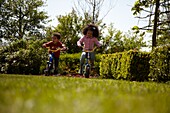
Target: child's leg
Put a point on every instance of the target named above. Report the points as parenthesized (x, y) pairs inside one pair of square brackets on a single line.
[(82, 58), (92, 59), (56, 62)]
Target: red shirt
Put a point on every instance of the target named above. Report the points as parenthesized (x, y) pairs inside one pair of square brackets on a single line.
[(54, 46)]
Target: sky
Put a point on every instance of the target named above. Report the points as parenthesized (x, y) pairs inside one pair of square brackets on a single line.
[(120, 15)]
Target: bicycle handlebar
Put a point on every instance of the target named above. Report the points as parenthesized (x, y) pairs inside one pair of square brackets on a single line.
[(58, 49), (89, 50)]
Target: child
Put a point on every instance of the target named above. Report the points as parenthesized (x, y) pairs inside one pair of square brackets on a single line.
[(54, 45), (90, 33)]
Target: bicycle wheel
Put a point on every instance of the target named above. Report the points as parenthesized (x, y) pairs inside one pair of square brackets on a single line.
[(47, 71), (87, 71)]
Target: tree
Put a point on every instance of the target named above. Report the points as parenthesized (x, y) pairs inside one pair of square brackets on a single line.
[(158, 14), (91, 9), (116, 41), (21, 18), (70, 27), (133, 41)]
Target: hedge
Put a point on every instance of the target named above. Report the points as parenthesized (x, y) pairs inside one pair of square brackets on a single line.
[(130, 65), (160, 64), (70, 63)]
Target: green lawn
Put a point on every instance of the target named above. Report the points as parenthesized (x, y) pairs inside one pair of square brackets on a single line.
[(41, 94)]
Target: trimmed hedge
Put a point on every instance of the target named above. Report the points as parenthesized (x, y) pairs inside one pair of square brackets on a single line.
[(160, 64), (130, 65), (70, 63)]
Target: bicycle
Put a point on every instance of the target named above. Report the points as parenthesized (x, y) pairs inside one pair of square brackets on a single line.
[(50, 65), (87, 66)]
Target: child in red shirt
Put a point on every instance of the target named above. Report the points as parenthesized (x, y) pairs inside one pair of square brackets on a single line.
[(54, 45)]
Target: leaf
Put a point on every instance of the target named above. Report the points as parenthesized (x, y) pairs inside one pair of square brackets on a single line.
[(135, 28)]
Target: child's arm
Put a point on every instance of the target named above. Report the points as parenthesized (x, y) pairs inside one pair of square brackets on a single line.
[(63, 47), (97, 43), (79, 42), (46, 44)]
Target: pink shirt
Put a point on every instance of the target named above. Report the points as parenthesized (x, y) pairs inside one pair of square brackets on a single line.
[(88, 42)]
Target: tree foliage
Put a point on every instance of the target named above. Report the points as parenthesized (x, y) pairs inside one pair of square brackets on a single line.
[(69, 27), (144, 9), (19, 18), (117, 41), (157, 12)]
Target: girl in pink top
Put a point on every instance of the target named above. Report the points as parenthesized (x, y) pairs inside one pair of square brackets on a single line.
[(91, 32)]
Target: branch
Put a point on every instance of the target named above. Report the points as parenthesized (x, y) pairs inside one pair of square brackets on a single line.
[(109, 10), (165, 12), (149, 15), (164, 22)]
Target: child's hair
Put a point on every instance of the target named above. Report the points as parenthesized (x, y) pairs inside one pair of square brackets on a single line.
[(92, 28), (57, 35)]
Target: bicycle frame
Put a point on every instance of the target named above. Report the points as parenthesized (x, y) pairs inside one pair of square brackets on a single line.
[(87, 67), (50, 63)]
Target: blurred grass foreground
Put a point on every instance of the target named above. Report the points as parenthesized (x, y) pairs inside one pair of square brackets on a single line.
[(41, 94)]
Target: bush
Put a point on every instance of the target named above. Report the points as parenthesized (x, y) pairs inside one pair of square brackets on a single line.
[(70, 63), (131, 65), (22, 57), (160, 64)]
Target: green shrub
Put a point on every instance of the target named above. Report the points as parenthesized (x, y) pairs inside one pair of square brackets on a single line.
[(22, 57), (160, 64), (131, 65), (139, 66), (105, 66), (23, 62), (70, 63)]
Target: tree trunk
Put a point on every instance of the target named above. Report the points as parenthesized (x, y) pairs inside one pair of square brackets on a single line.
[(20, 24), (155, 24), (94, 10)]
